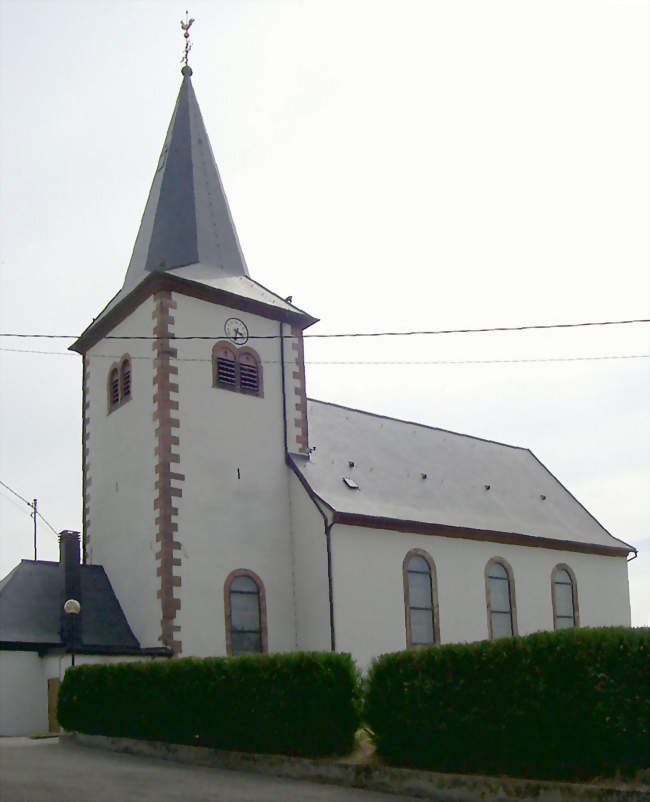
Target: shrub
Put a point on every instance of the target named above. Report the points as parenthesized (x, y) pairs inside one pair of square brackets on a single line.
[(570, 704), (295, 704)]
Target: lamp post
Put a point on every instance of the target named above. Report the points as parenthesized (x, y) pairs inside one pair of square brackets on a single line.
[(72, 608)]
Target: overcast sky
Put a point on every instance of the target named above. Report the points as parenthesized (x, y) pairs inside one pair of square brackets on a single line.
[(393, 166)]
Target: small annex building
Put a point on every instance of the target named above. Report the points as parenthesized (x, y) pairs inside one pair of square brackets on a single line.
[(38, 639), (233, 515)]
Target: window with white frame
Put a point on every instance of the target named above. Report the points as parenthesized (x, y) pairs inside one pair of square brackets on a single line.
[(245, 608), (499, 581), (420, 599), (565, 597)]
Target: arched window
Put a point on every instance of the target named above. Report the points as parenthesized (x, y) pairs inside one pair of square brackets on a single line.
[(225, 367), (125, 379), (249, 373), (564, 594), (237, 369), (245, 608), (420, 599), (119, 383), (113, 388), (500, 592)]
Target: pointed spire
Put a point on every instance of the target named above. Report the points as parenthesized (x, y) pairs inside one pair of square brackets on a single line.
[(187, 230), (187, 219)]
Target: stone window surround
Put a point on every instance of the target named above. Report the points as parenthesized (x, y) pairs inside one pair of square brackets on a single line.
[(125, 359), (226, 344), (574, 591), (434, 596), (513, 598), (227, 611)]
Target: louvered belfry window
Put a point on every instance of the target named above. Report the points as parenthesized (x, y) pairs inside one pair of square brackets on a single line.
[(119, 383), (237, 369), (126, 379), (248, 374), (226, 368), (114, 388)]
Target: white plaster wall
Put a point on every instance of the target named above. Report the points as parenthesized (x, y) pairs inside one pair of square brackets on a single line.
[(23, 694), (23, 686), (55, 666), (369, 592), (234, 509), (312, 591), (121, 472)]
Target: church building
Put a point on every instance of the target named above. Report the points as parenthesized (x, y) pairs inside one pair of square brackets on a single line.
[(232, 514)]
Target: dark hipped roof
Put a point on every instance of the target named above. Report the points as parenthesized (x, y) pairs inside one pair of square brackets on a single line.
[(30, 610)]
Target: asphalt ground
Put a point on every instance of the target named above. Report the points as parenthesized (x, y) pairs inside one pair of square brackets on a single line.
[(46, 771)]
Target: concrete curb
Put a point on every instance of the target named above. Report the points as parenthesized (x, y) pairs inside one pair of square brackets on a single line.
[(407, 782)]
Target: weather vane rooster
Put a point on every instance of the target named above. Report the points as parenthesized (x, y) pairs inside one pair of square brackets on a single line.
[(186, 33)]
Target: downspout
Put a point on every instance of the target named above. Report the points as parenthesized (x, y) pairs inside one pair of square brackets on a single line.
[(328, 537), (284, 393), (286, 459), (328, 541), (84, 478)]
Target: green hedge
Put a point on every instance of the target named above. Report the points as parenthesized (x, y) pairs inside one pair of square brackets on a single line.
[(294, 704), (572, 704)]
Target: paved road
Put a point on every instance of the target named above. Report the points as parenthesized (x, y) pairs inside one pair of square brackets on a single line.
[(45, 771)]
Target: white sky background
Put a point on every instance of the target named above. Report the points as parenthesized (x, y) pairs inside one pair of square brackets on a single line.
[(393, 166)]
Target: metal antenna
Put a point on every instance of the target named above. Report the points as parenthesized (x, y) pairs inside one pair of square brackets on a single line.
[(187, 70)]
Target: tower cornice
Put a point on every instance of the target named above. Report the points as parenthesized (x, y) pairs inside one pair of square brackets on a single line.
[(120, 308)]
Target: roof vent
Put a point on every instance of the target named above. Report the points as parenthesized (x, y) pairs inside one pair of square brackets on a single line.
[(487, 487), (350, 464), (350, 483), (423, 475), (543, 497)]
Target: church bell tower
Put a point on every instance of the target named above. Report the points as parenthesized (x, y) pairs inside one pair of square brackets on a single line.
[(193, 395)]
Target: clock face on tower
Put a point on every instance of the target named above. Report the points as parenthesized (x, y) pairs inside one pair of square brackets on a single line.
[(236, 330)]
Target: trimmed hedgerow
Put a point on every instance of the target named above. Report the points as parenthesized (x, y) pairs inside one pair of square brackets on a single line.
[(304, 703), (571, 704)]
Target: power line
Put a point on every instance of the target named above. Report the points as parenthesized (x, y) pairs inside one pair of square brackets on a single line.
[(11, 490), (484, 330), (30, 505), (597, 358)]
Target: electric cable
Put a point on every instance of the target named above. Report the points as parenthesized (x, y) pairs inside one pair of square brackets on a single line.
[(396, 363), (30, 505), (484, 330)]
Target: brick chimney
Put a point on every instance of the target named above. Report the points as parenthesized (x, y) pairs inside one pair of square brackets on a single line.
[(70, 568)]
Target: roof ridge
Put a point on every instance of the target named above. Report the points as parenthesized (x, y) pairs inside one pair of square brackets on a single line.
[(421, 425)]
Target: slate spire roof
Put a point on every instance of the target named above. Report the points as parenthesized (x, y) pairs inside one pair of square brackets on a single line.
[(187, 219), (187, 231)]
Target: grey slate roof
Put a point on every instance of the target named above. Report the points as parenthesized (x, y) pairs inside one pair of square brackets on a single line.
[(187, 229), (30, 609), (187, 218), (390, 457)]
